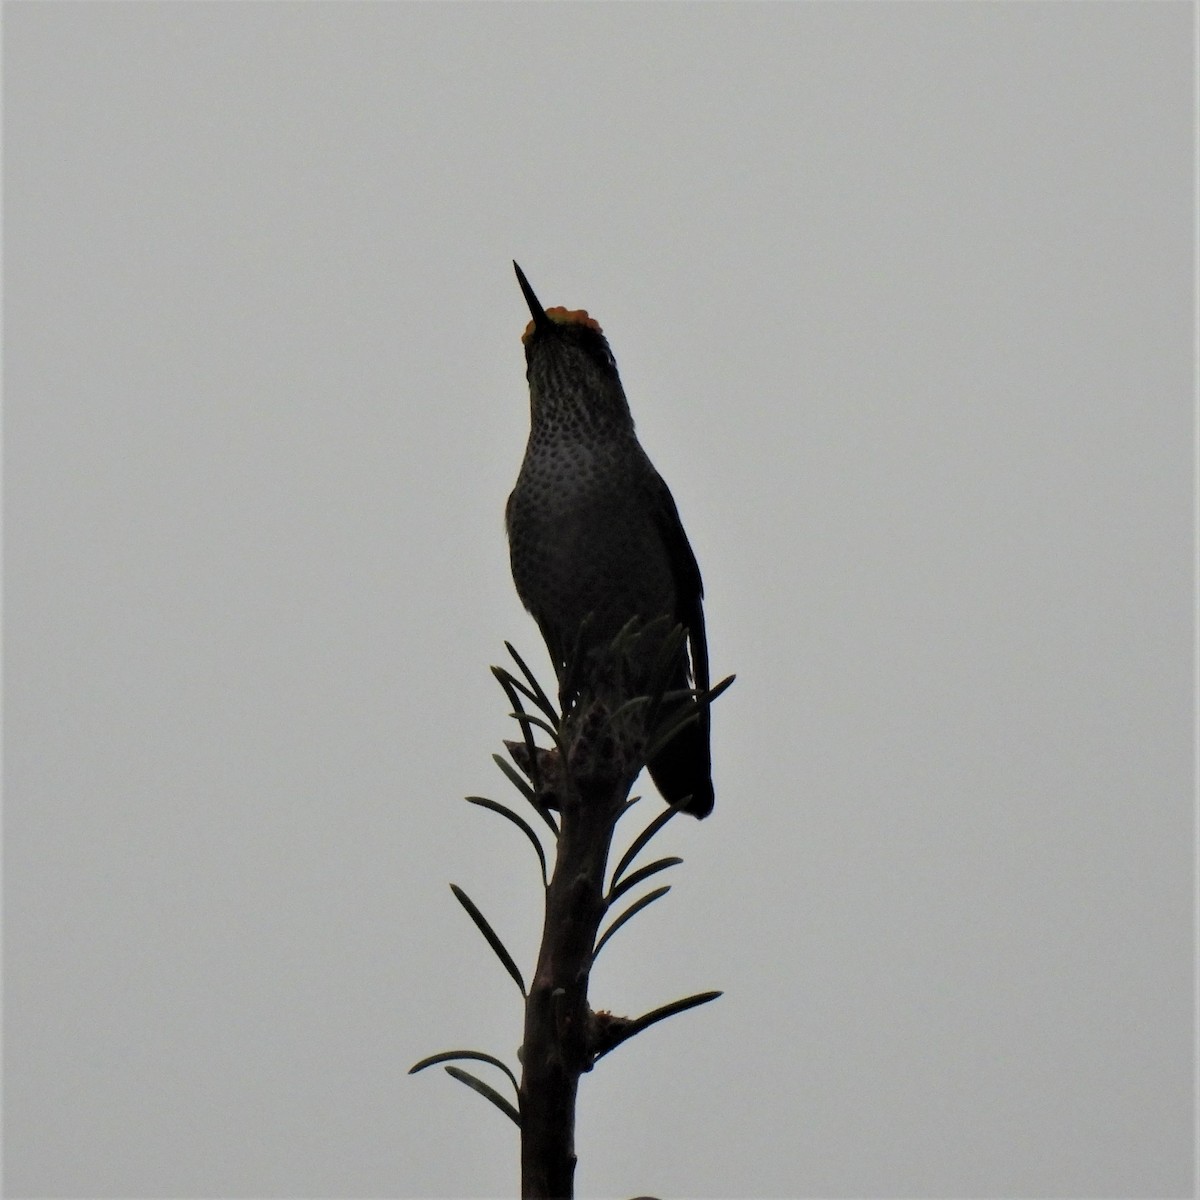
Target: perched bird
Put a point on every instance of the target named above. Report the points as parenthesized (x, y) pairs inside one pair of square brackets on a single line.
[(594, 535)]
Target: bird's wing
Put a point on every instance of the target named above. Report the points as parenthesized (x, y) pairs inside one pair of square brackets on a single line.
[(689, 588)]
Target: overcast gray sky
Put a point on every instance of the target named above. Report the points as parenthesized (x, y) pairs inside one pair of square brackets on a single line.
[(902, 299)]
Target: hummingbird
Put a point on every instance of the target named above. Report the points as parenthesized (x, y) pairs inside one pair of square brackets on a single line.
[(594, 536)]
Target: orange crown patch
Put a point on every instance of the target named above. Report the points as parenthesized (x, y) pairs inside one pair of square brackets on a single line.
[(566, 316)]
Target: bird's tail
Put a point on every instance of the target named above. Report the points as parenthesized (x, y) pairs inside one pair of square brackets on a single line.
[(682, 769)]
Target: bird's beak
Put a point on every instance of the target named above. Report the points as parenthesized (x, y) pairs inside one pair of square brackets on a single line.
[(540, 320)]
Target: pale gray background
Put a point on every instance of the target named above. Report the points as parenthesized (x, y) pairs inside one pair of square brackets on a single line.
[(902, 300)]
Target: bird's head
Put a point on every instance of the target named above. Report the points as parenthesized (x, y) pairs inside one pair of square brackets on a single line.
[(569, 364)]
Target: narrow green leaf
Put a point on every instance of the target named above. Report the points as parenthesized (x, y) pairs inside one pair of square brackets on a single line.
[(640, 842), (487, 1091), (515, 779), (664, 733), (638, 876), (715, 691), (702, 697), (523, 825), (512, 686), (661, 1014), (529, 719), (626, 633), (539, 696), (543, 812), (631, 911), (476, 1055), (501, 672), (488, 932), (508, 683), (629, 706)]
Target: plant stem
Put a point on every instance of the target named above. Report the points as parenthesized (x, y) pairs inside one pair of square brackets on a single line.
[(558, 1045)]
